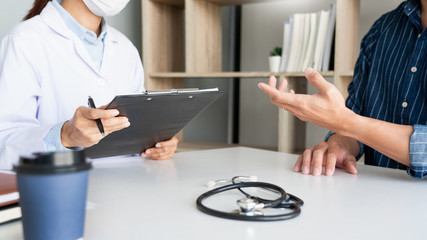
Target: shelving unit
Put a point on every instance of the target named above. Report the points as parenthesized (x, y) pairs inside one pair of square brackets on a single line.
[(189, 31), (231, 75)]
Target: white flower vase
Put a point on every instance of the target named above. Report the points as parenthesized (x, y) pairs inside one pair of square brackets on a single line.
[(274, 62)]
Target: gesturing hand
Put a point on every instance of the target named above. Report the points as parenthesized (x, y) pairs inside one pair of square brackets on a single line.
[(326, 108), (82, 131)]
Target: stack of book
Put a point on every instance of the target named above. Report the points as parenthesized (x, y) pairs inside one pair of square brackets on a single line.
[(9, 198), (308, 41)]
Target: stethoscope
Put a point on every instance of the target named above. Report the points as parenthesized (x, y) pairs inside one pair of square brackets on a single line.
[(250, 207)]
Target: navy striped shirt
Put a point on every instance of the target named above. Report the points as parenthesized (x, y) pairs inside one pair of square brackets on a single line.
[(390, 82)]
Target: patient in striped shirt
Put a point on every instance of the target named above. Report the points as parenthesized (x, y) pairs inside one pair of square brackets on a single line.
[(385, 114)]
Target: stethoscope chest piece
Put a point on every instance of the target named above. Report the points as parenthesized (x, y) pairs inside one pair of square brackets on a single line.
[(247, 207)]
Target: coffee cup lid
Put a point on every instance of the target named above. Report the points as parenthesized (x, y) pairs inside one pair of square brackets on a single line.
[(53, 162)]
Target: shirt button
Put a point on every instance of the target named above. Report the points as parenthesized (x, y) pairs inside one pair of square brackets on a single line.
[(101, 81), (404, 104), (52, 148), (414, 69)]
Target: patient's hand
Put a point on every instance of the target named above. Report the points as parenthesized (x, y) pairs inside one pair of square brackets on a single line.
[(162, 150)]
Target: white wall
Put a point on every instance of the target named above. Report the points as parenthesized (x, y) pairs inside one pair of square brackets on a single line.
[(128, 21), (12, 12), (262, 29)]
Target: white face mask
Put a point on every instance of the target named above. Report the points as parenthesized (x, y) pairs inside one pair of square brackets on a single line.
[(104, 8)]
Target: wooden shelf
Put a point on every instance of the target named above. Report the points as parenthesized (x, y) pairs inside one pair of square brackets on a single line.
[(217, 2), (230, 74), (197, 146), (238, 2), (183, 39), (347, 74), (170, 2)]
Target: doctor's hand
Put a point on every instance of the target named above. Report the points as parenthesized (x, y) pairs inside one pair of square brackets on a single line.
[(326, 108), (339, 151), (163, 150), (82, 131)]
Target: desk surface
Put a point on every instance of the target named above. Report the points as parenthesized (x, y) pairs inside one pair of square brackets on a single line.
[(137, 199)]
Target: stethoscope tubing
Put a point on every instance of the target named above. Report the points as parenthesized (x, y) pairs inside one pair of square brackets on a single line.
[(277, 203)]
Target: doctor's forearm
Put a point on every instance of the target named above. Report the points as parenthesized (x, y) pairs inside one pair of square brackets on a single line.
[(390, 139)]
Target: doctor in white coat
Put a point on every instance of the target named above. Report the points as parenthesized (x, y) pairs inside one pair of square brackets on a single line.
[(50, 63)]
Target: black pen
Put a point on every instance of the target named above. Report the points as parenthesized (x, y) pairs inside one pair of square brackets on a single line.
[(91, 104)]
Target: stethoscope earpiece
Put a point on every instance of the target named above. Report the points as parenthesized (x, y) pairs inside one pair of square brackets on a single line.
[(211, 184)]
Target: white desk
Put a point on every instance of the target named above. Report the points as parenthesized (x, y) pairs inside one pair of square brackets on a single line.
[(156, 200)]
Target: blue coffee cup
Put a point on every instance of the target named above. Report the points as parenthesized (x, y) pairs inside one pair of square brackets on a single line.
[(53, 188)]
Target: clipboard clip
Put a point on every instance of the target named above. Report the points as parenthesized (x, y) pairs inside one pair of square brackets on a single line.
[(171, 91)]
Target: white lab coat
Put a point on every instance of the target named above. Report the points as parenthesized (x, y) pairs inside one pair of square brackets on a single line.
[(46, 74)]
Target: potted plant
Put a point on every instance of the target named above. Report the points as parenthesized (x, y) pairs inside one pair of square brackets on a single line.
[(274, 59)]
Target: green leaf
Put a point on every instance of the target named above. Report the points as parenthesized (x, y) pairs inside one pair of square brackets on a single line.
[(277, 51)]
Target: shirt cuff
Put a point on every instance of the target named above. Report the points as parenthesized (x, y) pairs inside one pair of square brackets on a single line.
[(52, 140), (418, 152), (361, 145)]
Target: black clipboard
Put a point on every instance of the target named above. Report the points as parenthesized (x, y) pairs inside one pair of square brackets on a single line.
[(154, 117)]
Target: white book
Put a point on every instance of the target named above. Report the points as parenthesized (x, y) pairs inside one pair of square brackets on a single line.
[(304, 43), (329, 38), (321, 37), (308, 58), (285, 47), (297, 44), (10, 212), (290, 37), (295, 49)]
